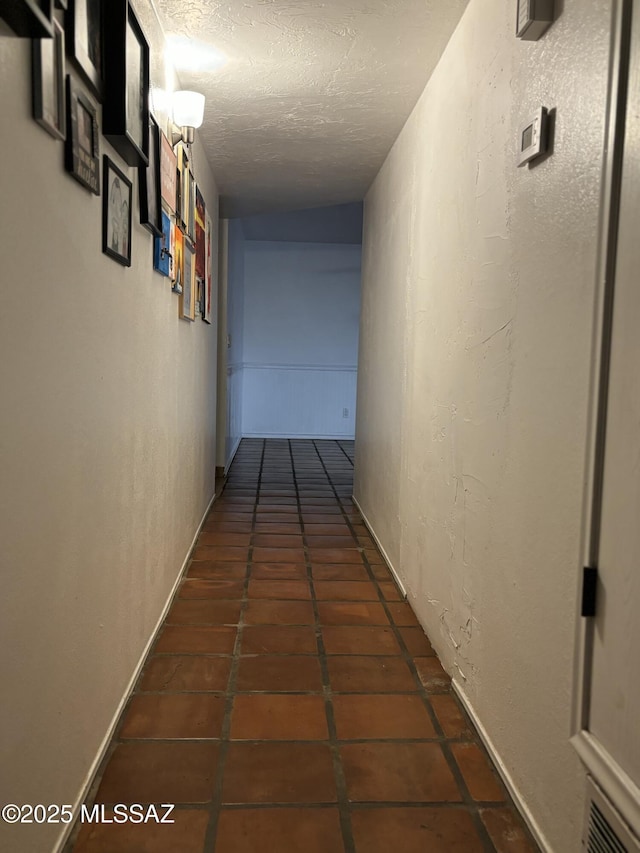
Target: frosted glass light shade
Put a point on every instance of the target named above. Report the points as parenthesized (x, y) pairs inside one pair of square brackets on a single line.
[(188, 108)]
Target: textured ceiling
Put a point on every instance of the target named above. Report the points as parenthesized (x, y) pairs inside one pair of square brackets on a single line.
[(314, 94)]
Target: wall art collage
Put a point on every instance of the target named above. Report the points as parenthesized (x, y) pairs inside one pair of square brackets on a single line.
[(110, 57)]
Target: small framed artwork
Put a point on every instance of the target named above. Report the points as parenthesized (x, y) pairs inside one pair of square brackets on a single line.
[(178, 260), (125, 117), (188, 297), (182, 211), (168, 173), (116, 214), (199, 296), (48, 83), (162, 247), (149, 183), (178, 204), (207, 313), (191, 213), (29, 18), (85, 41), (200, 235), (172, 250), (82, 151)]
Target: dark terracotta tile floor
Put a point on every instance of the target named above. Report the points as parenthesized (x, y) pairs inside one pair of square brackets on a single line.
[(291, 702)]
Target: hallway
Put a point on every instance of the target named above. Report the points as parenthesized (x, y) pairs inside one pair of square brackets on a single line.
[(291, 702)]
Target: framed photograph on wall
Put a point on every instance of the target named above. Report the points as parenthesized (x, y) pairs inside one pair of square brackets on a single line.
[(199, 296), (207, 313), (178, 204), (149, 183), (48, 83), (188, 297), (162, 247), (178, 259), (191, 213), (82, 150), (182, 195), (125, 116), (201, 252), (168, 173), (172, 250), (29, 18), (116, 213), (85, 43)]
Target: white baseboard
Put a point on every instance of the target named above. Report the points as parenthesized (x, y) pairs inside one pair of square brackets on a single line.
[(332, 437), (385, 556), (232, 455), (516, 796), (88, 781)]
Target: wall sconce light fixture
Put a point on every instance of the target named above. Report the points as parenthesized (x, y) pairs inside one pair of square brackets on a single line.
[(188, 114)]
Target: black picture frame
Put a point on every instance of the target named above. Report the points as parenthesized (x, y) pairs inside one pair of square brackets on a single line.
[(125, 115), (85, 43), (82, 148), (149, 187), (178, 205), (29, 18), (117, 201), (191, 224), (48, 83)]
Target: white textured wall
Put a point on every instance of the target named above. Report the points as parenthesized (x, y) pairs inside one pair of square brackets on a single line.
[(300, 402), (235, 331), (222, 407), (107, 455), (301, 315), (478, 293)]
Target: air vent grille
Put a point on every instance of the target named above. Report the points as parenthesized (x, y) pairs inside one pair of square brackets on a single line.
[(602, 838)]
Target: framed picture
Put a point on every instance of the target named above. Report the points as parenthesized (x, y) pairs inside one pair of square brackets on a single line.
[(162, 247), (48, 83), (199, 296), (149, 183), (207, 313), (201, 252), (82, 150), (29, 18), (85, 42), (116, 213), (188, 297), (172, 250), (191, 212), (182, 195), (186, 194), (178, 259), (178, 204), (125, 116), (168, 173)]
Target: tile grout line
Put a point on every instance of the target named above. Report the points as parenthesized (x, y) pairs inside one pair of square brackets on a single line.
[(117, 739), (443, 741), (339, 443), (225, 734), (336, 758)]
